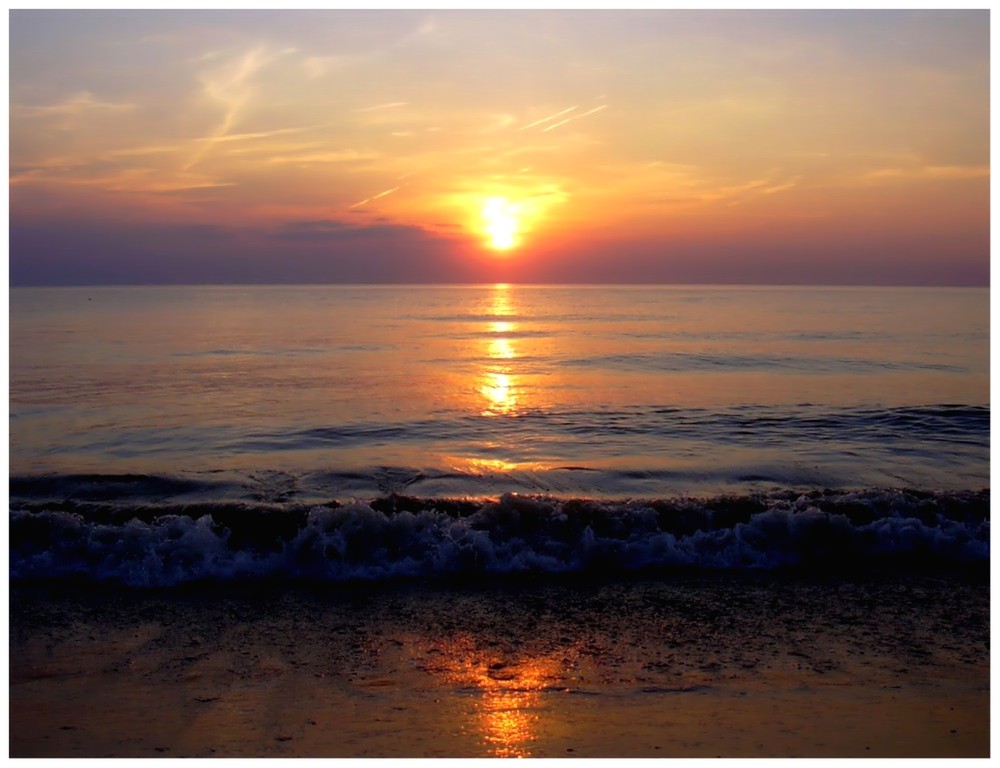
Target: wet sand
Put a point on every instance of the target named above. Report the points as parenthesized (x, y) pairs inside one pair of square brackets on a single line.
[(678, 666)]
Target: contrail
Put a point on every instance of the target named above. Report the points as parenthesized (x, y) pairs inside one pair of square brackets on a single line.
[(257, 135), (575, 117), (556, 125), (546, 119), (233, 90), (591, 111), (374, 197)]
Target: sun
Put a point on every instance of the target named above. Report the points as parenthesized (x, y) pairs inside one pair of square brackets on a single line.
[(506, 217), (500, 217)]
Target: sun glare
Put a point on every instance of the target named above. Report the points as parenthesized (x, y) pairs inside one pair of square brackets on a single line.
[(506, 217), (501, 225)]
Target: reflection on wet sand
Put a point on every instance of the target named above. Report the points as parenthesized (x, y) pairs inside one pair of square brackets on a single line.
[(508, 692), (508, 722)]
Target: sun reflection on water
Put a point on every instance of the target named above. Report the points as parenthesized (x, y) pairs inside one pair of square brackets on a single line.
[(498, 384), (501, 349), (496, 389), (489, 465)]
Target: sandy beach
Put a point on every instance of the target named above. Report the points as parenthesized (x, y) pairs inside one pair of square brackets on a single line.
[(684, 666)]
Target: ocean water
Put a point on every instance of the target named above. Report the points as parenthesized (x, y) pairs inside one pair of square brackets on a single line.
[(172, 434)]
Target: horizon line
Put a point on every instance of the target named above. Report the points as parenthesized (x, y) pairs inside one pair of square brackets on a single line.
[(458, 284)]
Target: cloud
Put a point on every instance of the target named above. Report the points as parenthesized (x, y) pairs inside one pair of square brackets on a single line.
[(171, 187), (313, 225), (307, 158), (928, 172), (781, 187), (231, 86), (335, 229), (49, 169), (319, 66), (388, 105), (155, 149), (272, 148), (306, 251), (110, 175), (79, 103), (500, 122)]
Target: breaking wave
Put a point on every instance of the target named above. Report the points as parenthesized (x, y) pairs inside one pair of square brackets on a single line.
[(400, 537)]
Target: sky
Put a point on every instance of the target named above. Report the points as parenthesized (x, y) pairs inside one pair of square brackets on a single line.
[(655, 146)]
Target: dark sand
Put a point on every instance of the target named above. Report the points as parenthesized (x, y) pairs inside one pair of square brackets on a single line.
[(690, 666)]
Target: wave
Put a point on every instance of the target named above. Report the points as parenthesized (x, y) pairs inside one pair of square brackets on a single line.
[(399, 537), (677, 362), (955, 424)]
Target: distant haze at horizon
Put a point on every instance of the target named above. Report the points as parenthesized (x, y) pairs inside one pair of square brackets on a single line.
[(545, 147)]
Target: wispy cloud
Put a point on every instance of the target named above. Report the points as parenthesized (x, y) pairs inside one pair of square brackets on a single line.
[(168, 187), (346, 156), (781, 187), (273, 148), (83, 101), (929, 172), (112, 179), (155, 149), (231, 85), (388, 105), (332, 230), (499, 123), (318, 66)]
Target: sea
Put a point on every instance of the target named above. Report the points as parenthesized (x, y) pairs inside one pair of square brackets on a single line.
[(166, 436)]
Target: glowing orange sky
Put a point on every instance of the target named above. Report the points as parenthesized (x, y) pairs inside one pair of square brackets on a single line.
[(653, 145)]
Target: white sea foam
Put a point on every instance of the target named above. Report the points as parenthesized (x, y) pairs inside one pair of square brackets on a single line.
[(512, 535)]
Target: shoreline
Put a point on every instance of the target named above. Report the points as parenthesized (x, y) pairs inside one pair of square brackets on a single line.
[(705, 665)]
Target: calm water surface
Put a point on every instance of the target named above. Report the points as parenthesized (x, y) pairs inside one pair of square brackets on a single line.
[(571, 391)]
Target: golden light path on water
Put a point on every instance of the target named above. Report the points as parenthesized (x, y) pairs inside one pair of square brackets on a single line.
[(499, 383)]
